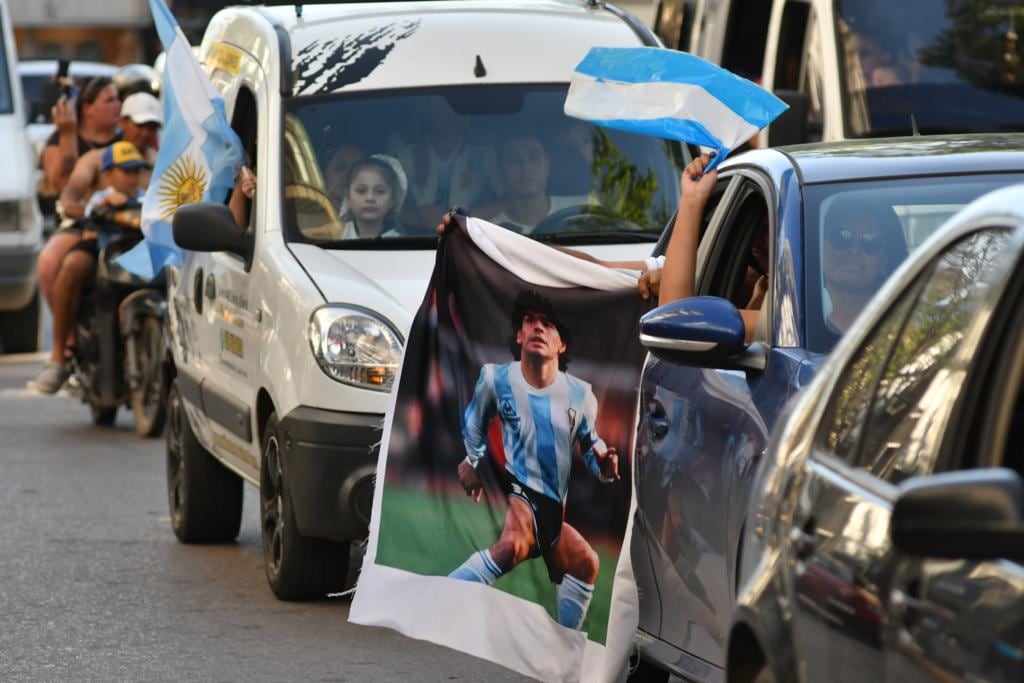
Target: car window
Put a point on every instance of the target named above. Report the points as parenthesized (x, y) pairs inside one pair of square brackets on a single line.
[(924, 372), (739, 255), (848, 405), (387, 164), (859, 233)]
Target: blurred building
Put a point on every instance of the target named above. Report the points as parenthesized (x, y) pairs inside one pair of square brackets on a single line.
[(112, 31)]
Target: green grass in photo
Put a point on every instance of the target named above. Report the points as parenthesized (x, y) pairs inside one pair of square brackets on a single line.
[(433, 533)]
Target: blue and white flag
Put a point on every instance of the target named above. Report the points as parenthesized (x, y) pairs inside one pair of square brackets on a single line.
[(669, 94), (198, 149)]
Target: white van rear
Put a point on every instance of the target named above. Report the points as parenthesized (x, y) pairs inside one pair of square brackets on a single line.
[(21, 225)]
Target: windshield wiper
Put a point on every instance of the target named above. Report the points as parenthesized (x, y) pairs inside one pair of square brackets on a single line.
[(598, 237)]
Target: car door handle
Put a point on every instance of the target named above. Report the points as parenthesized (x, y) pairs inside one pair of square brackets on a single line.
[(804, 541), (658, 426), (211, 287)]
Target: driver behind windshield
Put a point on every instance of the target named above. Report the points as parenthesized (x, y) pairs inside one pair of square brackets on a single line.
[(523, 171)]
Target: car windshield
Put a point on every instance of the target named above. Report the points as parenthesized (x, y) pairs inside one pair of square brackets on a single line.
[(858, 233), (955, 65), (379, 169)]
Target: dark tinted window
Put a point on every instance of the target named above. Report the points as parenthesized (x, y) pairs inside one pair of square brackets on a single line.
[(955, 65)]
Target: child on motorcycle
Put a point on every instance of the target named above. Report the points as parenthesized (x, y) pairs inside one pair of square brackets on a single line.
[(123, 163)]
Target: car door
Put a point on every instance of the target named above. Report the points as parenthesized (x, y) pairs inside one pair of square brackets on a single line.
[(959, 619), (231, 319), (881, 426), (702, 436)]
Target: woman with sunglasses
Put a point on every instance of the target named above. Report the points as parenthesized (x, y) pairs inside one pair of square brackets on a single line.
[(87, 123), (863, 245)]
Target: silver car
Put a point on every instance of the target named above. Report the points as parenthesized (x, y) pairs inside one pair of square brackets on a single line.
[(886, 540)]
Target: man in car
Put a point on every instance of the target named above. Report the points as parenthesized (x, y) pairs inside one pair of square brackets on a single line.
[(545, 413), (523, 170)]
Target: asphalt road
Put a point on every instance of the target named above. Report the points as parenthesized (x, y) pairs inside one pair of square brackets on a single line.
[(94, 586)]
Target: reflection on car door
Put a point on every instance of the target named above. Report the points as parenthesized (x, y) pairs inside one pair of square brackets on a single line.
[(964, 619), (881, 426), (699, 438)]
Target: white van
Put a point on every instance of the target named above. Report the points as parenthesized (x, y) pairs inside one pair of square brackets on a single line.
[(864, 68), (21, 224), (285, 338)]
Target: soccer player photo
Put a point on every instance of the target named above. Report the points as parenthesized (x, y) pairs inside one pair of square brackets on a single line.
[(504, 484)]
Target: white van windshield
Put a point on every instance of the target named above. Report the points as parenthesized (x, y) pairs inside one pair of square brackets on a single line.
[(379, 169), (955, 65)]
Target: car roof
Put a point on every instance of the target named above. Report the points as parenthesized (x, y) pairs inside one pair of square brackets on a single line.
[(909, 156), (48, 67), (369, 46)]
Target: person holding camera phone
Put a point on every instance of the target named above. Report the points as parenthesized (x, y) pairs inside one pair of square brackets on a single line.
[(83, 123)]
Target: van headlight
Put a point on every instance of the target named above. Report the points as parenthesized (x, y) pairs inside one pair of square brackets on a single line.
[(355, 347)]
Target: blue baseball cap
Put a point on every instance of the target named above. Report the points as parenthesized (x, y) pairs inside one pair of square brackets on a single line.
[(122, 155)]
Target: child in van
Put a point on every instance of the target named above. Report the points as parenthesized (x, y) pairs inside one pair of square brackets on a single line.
[(376, 192)]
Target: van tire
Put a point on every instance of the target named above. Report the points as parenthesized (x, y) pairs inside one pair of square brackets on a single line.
[(204, 496), (298, 567), (19, 330)]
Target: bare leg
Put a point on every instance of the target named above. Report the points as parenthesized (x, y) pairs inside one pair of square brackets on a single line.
[(50, 259), (575, 556), (67, 295), (513, 546)]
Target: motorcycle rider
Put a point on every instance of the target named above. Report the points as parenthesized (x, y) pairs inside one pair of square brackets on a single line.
[(123, 164)]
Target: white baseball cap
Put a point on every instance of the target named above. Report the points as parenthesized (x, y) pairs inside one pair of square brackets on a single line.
[(142, 108)]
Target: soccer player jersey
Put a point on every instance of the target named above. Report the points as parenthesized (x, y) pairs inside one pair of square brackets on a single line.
[(539, 427)]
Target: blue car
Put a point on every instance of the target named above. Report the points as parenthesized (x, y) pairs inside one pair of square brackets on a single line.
[(827, 224)]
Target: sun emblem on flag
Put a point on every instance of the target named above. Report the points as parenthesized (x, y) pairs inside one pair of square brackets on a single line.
[(183, 183)]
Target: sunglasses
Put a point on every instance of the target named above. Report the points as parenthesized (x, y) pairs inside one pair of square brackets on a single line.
[(869, 242)]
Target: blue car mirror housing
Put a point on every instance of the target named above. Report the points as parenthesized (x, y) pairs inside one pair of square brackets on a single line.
[(702, 331)]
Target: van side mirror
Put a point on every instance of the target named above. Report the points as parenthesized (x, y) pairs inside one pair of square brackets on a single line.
[(970, 514), (791, 127), (210, 227), (701, 331)]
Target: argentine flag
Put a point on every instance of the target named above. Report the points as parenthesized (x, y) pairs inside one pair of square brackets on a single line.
[(669, 94), (198, 150)]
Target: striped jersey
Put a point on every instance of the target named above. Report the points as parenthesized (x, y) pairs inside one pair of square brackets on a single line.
[(539, 427)]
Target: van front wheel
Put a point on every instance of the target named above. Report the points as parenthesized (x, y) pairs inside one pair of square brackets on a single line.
[(298, 567)]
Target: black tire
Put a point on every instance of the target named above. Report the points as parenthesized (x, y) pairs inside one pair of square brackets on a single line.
[(298, 567), (205, 498), (19, 330), (103, 417), (147, 398)]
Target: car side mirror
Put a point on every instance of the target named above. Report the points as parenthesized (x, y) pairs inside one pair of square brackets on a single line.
[(791, 126), (970, 514), (702, 331), (210, 227)]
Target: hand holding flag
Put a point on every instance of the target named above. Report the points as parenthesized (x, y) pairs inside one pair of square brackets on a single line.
[(198, 151), (669, 94)]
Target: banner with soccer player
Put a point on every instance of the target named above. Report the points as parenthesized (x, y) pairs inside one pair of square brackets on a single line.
[(503, 493)]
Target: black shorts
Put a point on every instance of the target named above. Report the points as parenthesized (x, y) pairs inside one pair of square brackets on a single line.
[(89, 246), (548, 517)]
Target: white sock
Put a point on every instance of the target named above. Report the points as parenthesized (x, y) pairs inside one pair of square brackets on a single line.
[(573, 600), (480, 567)]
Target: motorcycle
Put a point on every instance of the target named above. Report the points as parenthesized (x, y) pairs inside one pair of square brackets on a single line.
[(117, 361)]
